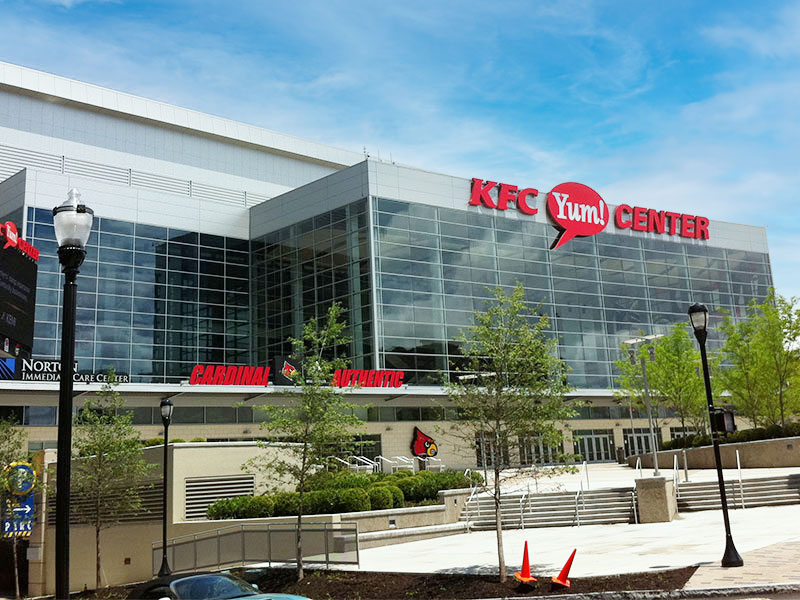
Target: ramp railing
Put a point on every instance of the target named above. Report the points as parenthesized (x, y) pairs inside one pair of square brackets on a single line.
[(254, 543)]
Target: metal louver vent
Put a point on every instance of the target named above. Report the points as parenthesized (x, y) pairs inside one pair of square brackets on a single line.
[(81, 510), (84, 168), (160, 183), (210, 192), (14, 159), (203, 491)]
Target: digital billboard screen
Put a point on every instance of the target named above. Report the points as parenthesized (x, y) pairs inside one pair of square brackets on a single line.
[(18, 270)]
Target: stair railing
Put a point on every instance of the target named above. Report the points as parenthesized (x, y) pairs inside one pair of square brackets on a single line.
[(634, 507), (685, 467), (639, 466), (577, 512), (675, 479), (741, 484), (521, 514)]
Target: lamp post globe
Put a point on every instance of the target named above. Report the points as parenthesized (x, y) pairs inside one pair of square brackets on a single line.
[(698, 315), (166, 408), (72, 222)]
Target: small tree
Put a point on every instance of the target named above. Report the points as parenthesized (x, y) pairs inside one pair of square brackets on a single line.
[(674, 379), (777, 337), (630, 383), (512, 387), (12, 449), (318, 420), (746, 374), (109, 469)]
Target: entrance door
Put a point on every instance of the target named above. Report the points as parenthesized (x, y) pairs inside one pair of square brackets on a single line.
[(595, 445)]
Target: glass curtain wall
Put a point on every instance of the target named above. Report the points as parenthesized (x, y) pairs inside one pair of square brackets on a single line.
[(434, 266), (300, 270), (152, 301)]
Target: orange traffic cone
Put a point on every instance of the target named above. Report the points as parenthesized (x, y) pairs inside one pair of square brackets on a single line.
[(524, 576), (562, 577)]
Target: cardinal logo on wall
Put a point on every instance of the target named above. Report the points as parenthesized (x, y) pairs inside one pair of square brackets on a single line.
[(423, 445), (288, 370)]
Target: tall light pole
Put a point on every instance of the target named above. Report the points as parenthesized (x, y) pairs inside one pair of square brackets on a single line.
[(72, 222), (698, 315), (634, 345), (166, 416)]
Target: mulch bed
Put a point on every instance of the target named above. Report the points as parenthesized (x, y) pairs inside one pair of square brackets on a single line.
[(363, 585)]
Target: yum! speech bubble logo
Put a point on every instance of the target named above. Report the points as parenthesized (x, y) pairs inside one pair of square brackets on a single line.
[(577, 210)]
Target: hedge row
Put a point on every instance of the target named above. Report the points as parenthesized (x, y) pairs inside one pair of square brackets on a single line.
[(745, 435), (314, 503), (345, 492)]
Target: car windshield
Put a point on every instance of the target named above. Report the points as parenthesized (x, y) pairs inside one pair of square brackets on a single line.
[(212, 587)]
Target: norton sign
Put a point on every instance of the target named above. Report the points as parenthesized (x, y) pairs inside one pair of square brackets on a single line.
[(576, 210)]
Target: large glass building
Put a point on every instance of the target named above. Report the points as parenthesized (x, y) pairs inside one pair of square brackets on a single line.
[(215, 241)]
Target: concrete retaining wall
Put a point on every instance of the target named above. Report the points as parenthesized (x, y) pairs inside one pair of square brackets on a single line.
[(782, 452)]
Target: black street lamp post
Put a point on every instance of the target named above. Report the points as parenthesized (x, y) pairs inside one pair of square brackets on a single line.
[(72, 222), (166, 416), (698, 315)]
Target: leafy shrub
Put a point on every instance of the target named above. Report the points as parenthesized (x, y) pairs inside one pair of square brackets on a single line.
[(286, 503), (398, 500), (401, 474), (340, 480), (156, 441), (242, 507), (380, 497), (177, 441), (198, 439), (349, 500)]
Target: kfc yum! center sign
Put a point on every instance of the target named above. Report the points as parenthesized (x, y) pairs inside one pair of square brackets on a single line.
[(576, 210)]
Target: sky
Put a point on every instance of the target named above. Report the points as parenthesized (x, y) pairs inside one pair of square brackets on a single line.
[(683, 105)]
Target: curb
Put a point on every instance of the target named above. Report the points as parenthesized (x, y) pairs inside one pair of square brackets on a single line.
[(686, 593)]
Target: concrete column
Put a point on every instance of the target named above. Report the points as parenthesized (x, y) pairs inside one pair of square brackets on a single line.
[(656, 500)]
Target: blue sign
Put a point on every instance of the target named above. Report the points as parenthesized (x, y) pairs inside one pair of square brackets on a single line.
[(18, 511), (19, 516)]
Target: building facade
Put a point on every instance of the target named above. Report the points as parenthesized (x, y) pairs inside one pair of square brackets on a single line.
[(214, 241)]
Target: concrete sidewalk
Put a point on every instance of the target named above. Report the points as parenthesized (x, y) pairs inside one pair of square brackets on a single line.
[(768, 539)]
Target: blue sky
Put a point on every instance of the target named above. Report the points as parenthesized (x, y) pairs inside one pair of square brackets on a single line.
[(678, 105)]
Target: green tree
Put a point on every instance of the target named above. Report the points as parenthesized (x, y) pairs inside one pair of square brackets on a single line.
[(512, 387), (12, 449), (762, 360), (318, 419), (743, 375), (674, 379), (630, 382), (777, 336), (108, 468)]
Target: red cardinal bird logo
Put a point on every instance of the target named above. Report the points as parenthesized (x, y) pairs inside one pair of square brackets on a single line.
[(423, 445), (288, 370)]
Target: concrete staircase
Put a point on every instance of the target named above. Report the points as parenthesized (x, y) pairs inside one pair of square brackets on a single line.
[(552, 510), (767, 491)]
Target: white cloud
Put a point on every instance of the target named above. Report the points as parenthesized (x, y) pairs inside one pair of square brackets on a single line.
[(777, 38)]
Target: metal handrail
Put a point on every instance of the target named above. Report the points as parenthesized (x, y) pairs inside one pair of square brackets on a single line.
[(214, 536), (639, 466), (521, 516), (585, 471), (685, 467), (635, 508), (741, 484), (577, 511), (675, 479)]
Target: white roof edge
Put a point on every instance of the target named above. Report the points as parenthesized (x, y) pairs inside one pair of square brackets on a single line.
[(88, 94)]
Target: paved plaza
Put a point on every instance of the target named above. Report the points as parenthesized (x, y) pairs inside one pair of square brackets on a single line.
[(768, 538)]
